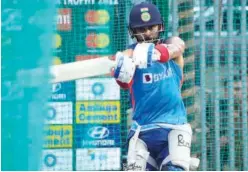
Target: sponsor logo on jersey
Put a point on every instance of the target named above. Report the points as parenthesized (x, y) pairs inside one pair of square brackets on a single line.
[(147, 78), (155, 77)]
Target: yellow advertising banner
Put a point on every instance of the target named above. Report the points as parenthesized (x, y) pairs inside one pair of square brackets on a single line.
[(104, 112), (58, 136)]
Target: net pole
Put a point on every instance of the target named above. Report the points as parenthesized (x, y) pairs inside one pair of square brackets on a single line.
[(203, 88), (244, 83), (230, 87), (174, 10), (186, 32), (216, 83)]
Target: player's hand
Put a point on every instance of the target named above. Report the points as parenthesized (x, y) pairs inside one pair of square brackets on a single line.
[(174, 50), (144, 54), (175, 46), (124, 68)]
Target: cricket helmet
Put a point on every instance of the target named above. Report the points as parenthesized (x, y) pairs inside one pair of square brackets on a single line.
[(144, 15)]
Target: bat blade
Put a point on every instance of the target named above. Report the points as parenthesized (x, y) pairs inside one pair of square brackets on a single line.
[(82, 69)]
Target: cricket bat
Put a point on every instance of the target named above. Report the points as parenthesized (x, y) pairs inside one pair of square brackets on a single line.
[(82, 69)]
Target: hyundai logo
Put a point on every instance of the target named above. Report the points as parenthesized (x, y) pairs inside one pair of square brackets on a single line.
[(56, 87), (98, 132)]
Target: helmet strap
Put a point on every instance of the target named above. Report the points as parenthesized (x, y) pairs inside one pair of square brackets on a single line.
[(131, 32)]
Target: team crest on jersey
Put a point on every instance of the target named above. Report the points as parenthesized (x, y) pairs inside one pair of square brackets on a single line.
[(147, 78)]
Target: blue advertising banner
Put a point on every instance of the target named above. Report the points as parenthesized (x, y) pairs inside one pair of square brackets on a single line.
[(63, 91), (91, 136)]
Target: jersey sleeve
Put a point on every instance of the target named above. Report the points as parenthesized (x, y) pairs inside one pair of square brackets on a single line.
[(125, 85), (176, 68), (132, 46)]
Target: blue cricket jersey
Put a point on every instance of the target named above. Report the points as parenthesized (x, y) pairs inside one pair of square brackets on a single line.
[(156, 94)]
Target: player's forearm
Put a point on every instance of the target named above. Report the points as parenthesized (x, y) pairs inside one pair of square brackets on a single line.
[(172, 49), (175, 51), (176, 47), (167, 52)]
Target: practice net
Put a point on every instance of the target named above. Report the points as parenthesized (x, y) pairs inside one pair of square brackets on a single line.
[(88, 119)]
